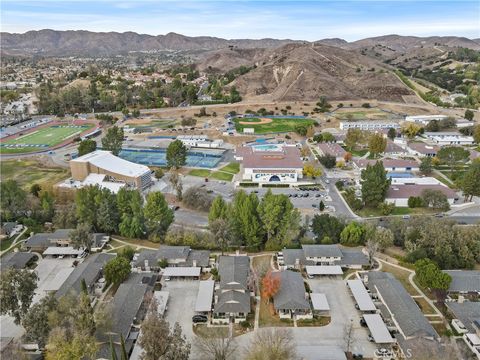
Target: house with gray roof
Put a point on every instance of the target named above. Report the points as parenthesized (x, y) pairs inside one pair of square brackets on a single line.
[(232, 293), (311, 255), (17, 260), (184, 256), (464, 281), (91, 270), (8, 228), (61, 237), (291, 300), (128, 307), (401, 307), (467, 312)]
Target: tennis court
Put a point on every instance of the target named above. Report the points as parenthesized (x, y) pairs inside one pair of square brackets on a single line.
[(158, 157)]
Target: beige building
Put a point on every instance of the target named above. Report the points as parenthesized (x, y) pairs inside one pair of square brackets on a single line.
[(116, 169)]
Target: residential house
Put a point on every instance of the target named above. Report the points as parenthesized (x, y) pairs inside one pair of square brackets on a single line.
[(174, 256), (421, 149), (232, 294), (393, 165), (291, 299), (17, 260), (464, 281), (61, 238)]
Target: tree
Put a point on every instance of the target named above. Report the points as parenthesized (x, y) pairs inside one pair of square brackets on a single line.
[(81, 237), (222, 233), (17, 287), (158, 215), (355, 137), (325, 225), (375, 184), (63, 347), (270, 285), (411, 130), (176, 183), (113, 140), (246, 222), (321, 206), (476, 134), (347, 157), (310, 170), (452, 155), (328, 160), (158, 341), (130, 206), (348, 337), (415, 202), (87, 146), (218, 209), (216, 345), (159, 173), (353, 234), (386, 208), (377, 144), (272, 344), (469, 114), (426, 166), (323, 105), (430, 276), (469, 183), (12, 200), (435, 199), (127, 252), (176, 154), (35, 322), (197, 198), (117, 270), (392, 133), (378, 238), (35, 190)]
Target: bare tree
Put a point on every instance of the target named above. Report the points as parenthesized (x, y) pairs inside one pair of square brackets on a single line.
[(272, 344), (176, 182), (348, 335), (217, 345), (372, 249)]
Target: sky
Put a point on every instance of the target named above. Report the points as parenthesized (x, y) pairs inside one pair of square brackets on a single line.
[(298, 20)]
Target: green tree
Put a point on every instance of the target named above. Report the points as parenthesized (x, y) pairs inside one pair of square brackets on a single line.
[(117, 270), (218, 209), (159, 173), (377, 144), (411, 130), (245, 219), (452, 155), (86, 146), (476, 134), (130, 205), (35, 190), (323, 104), (392, 133), (426, 166), (159, 216), (328, 160), (469, 183), (61, 346), (355, 137), (107, 216), (469, 115), (12, 200), (35, 322), (17, 288), (321, 206), (386, 208), (325, 225), (222, 233), (430, 276), (435, 199), (176, 154), (353, 234), (415, 201), (375, 184), (81, 237), (113, 140)]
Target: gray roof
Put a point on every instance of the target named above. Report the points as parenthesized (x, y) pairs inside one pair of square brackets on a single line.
[(322, 251), (233, 302), (467, 312), (173, 252), (464, 280), (89, 270), (16, 260), (353, 257), (47, 239), (201, 257), (291, 295), (362, 298), (97, 239), (233, 271), (7, 227), (290, 256), (399, 302)]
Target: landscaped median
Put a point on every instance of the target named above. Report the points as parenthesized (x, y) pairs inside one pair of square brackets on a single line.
[(225, 173)]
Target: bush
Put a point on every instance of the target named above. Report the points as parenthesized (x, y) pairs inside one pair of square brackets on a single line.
[(159, 173), (197, 198), (248, 184), (329, 161), (276, 185), (366, 105), (245, 324), (415, 201)]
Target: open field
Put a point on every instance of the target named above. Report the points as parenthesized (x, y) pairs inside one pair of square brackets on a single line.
[(232, 168), (223, 176), (357, 114), (277, 125), (29, 172), (43, 138)]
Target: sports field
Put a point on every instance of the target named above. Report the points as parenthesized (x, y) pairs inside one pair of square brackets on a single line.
[(43, 138), (276, 125)]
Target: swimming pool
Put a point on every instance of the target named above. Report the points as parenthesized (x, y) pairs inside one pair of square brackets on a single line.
[(158, 157), (267, 147), (399, 175)]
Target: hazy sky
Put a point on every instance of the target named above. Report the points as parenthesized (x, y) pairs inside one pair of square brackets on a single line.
[(307, 20)]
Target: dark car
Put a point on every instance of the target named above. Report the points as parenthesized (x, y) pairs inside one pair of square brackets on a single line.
[(199, 319)]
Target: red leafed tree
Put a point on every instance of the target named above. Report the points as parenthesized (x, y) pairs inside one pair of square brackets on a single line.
[(270, 285)]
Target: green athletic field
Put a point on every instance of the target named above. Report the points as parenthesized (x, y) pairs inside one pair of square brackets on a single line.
[(43, 138), (277, 125)]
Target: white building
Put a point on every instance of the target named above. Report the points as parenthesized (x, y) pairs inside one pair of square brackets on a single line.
[(449, 138), (199, 141), (270, 163), (369, 125), (415, 181), (424, 119)]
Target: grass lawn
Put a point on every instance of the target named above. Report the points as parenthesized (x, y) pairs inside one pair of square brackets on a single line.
[(316, 321), (43, 138), (29, 172), (424, 306), (134, 242), (268, 318), (277, 125), (203, 330), (440, 328), (5, 243), (199, 172), (218, 175), (232, 168), (357, 153), (401, 276)]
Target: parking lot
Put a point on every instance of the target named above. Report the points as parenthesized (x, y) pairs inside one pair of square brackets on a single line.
[(181, 303)]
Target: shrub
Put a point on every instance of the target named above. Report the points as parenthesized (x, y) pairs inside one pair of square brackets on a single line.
[(415, 201), (197, 198)]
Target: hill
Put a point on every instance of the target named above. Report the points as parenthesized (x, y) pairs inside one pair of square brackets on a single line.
[(305, 72)]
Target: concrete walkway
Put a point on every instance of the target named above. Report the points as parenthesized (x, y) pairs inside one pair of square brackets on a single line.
[(134, 245), (15, 242)]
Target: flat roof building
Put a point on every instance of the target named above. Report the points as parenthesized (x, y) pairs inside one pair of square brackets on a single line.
[(464, 281), (332, 149), (204, 300), (370, 125), (449, 138), (117, 169), (362, 298), (424, 119), (378, 329)]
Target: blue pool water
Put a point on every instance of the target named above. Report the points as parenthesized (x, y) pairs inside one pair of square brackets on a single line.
[(399, 175), (267, 147), (157, 157)]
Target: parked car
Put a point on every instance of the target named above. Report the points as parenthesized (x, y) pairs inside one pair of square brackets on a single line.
[(199, 319)]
